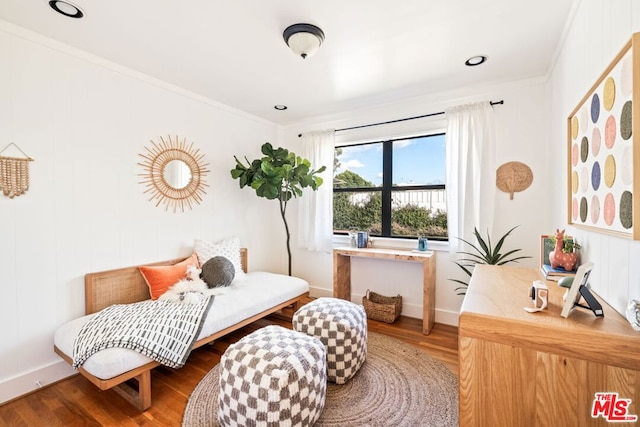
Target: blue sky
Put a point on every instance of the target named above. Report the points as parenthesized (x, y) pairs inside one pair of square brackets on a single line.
[(415, 161)]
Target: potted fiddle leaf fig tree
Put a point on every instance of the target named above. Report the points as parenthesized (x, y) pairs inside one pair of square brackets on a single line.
[(278, 175)]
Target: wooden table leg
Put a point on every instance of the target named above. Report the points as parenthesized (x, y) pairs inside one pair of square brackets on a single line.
[(429, 294), (342, 277)]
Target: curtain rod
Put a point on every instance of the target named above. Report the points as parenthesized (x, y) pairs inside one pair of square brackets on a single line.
[(402, 120)]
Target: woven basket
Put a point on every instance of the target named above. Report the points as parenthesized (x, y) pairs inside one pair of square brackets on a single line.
[(382, 308)]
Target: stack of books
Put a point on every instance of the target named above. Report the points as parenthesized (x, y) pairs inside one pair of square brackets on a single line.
[(555, 273)]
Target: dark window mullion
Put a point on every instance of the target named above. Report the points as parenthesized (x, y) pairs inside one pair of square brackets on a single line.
[(387, 183), (419, 187), (355, 189)]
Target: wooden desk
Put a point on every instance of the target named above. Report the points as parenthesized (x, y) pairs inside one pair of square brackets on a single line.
[(539, 369), (342, 275)]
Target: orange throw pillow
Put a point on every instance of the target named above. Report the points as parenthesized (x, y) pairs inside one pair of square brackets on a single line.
[(159, 278)]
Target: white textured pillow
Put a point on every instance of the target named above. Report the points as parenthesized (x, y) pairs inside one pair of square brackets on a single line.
[(228, 248)]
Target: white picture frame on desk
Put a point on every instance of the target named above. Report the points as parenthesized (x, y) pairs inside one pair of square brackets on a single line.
[(573, 295)]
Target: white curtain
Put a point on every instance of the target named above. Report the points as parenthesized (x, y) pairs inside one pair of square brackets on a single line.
[(315, 213), (470, 171)]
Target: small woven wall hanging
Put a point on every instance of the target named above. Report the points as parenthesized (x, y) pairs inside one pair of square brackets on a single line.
[(513, 177), (14, 173)]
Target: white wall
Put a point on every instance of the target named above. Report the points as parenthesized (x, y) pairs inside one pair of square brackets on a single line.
[(85, 121), (596, 33), (522, 135)]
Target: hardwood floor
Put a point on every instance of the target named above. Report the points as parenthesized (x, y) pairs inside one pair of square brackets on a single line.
[(76, 402)]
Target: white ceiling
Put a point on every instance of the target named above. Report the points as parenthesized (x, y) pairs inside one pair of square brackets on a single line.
[(375, 51)]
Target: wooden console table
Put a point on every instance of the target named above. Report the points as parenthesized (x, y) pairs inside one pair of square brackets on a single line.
[(539, 369), (342, 275)]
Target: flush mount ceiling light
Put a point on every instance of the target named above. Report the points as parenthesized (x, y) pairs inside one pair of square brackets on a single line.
[(476, 60), (66, 8), (303, 39), (280, 107)]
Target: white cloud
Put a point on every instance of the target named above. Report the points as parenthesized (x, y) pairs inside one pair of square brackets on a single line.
[(379, 175), (403, 143), (355, 164)]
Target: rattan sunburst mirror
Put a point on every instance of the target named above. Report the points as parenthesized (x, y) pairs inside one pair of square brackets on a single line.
[(174, 173)]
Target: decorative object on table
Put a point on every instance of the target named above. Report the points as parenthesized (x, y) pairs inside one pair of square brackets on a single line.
[(561, 257), (565, 282), (579, 291), (362, 239), (423, 243), (548, 245), (633, 314), (602, 148), (174, 173), (513, 177), (484, 254), (390, 389), (382, 308), (14, 172), (278, 175), (353, 238), (539, 295)]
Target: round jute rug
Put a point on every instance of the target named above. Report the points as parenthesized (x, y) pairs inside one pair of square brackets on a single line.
[(398, 385)]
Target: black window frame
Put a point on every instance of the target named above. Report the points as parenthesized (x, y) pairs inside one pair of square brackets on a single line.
[(387, 187)]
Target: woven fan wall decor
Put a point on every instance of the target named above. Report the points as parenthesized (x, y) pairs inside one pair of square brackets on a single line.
[(513, 177), (14, 173)]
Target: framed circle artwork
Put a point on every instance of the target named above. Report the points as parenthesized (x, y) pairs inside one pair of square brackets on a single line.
[(603, 151)]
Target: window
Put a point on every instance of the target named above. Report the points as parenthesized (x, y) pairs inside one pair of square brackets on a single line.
[(391, 188)]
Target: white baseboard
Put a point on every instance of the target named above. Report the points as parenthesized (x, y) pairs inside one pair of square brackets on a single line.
[(22, 384), (446, 317), (319, 292)]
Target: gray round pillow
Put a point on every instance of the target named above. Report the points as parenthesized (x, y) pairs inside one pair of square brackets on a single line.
[(218, 271)]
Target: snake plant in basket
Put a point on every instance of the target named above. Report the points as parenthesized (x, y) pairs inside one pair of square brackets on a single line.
[(484, 253)]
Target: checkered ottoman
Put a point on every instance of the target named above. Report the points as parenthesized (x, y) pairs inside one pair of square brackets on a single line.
[(342, 327), (272, 377)]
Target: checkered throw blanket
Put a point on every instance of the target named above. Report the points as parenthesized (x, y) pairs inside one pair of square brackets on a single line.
[(161, 330)]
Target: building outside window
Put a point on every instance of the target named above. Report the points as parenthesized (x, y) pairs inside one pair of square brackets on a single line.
[(391, 188)]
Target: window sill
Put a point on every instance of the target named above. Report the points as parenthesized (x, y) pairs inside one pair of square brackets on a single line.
[(385, 242)]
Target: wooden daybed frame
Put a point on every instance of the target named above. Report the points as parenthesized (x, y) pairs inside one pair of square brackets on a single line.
[(124, 286)]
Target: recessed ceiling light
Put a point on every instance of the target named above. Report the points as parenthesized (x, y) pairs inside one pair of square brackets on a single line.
[(280, 107), (66, 8), (476, 60)]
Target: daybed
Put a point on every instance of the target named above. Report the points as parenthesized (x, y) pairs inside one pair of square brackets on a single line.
[(256, 296)]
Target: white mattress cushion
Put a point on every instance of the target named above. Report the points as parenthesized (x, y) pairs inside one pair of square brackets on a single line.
[(243, 299)]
